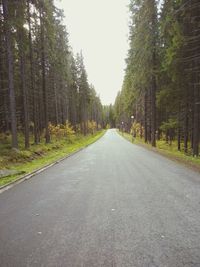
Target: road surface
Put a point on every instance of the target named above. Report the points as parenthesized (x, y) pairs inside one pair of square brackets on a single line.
[(112, 204)]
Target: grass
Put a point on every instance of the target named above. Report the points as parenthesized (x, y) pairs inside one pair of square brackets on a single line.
[(38, 156), (167, 150)]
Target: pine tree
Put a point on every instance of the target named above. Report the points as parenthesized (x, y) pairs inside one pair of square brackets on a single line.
[(7, 25)]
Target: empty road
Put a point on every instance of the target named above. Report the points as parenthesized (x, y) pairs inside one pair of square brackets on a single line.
[(111, 204)]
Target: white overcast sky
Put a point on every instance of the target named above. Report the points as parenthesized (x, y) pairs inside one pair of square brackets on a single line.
[(100, 29)]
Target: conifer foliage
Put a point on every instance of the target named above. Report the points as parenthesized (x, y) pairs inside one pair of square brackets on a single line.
[(41, 82), (161, 89)]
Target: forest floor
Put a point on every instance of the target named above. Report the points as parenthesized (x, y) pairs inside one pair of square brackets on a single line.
[(15, 163), (167, 150)]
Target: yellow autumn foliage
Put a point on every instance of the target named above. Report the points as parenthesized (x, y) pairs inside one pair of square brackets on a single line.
[(62, 130), (137, 129), (92, 126)]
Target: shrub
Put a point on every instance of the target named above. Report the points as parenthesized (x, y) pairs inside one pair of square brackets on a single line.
[(92, 126), (137, 129), (62, 130)]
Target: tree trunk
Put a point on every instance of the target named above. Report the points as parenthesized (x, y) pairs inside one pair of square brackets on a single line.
[(44, 89), (149, 116), (3, 91), (186, 127), (153, 112), (10, 76), (22, 78), (179, 139), (196, 122), (32, 77), (25, 99), (179, 128), (56, 103), (145, 118)]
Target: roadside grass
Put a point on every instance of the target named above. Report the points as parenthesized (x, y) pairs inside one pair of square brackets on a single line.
[(38, 156), (167, 150)]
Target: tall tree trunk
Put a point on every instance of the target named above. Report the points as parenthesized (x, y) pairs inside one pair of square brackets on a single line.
[(186, 124), (4, 92), (196, 125), (44, 89), (179, 127), (154, 68), (153, 112), (32, 77), (25, 97), (21, 36), (10, 75), (145, 118), (149, 115), (56, 103)]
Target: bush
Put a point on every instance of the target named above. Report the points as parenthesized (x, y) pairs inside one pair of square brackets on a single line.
[(137, 130), (92, 126), (62, 130)]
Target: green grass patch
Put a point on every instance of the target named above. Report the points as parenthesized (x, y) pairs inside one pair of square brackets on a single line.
[(167, 150), (38, 156)]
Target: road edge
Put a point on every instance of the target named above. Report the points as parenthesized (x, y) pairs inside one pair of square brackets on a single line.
[(185, 163), (28, 176)]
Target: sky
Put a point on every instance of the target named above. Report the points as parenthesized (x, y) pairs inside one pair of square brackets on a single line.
[(100, 29)]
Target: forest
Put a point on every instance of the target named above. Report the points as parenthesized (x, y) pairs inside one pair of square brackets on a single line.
[(44, 89), (43, 86), (160, 96)]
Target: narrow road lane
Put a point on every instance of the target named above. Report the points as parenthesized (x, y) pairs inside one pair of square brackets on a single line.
[(112, 204)]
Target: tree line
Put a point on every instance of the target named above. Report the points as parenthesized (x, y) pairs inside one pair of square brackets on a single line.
[(161, 88), (41, 81)]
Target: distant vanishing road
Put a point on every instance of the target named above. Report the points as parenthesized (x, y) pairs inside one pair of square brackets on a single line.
[(111, 204)]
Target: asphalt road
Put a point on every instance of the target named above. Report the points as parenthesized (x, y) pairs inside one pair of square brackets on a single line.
[(112, 204)]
